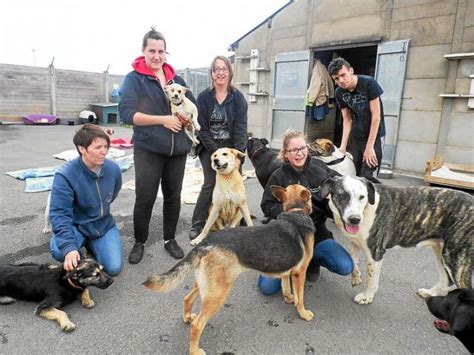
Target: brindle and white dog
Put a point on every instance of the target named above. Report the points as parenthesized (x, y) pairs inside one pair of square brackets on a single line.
[(379, 217)]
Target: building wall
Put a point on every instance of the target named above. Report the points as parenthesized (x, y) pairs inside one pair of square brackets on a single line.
[(428, 124)]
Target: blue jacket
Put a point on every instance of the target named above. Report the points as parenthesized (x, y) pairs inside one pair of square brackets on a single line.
[(81, 198), (143, 93), (236, 113)]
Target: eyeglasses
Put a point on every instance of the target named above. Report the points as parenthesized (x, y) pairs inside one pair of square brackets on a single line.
[(295, 151), (222, 70)]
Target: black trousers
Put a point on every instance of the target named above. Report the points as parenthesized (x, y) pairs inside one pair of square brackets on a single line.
[(151, 169), (201, 210), (357, 148)]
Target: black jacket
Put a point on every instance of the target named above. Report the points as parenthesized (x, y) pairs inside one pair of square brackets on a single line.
[(142, 93), (236, 112), (313, 175)]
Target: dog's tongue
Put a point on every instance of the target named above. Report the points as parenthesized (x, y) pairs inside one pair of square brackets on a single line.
[(441, 325), (352, 229)]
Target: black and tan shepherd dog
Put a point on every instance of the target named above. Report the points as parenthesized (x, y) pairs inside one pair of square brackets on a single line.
[(283, 248), (52, 287), (455, 313)]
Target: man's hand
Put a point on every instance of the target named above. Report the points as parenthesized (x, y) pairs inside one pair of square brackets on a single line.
[(370, 158), (342, 150), (185, 121), (173, 123), (71, 259)]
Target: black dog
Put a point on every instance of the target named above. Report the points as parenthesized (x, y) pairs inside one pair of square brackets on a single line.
[(456, 315), (263, 159), (52, 286)]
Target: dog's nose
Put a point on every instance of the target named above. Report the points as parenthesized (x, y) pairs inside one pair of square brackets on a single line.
[(216, 161), (354, 220)]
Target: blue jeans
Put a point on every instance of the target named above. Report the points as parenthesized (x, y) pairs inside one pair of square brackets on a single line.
[(327, 253), (107, 250)]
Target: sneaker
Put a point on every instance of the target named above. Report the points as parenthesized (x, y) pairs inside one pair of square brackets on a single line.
[(136, 254), (313, 271), (174, 249), (193, 233)]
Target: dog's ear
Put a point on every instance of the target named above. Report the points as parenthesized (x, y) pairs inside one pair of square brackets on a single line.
[(371, 192), (279, 192), (325, 189), (264, 141), (166, 89), (330, 147), (238, 153), (305, 195)]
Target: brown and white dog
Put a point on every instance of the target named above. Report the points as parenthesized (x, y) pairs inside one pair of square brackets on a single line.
[(229, 200), (181, 104), (324, 150)]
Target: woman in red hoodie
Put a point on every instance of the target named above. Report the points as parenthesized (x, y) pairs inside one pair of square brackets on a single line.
[(160, 143)]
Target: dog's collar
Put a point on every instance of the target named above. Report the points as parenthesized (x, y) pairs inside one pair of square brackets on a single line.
[(295, 209), (75, 285), (178, 104), (258, 151), (337, 161)]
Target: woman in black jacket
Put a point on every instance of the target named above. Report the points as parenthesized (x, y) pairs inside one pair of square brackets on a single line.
[(160, 143), (299, 168), (223, 120)]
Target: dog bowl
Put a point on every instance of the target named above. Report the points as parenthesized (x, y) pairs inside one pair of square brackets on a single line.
[(385, 174)]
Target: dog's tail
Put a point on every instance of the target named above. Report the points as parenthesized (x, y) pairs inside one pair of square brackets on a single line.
[(171, 279)]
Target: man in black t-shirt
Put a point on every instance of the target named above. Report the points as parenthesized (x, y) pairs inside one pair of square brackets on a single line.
[(358, 97)]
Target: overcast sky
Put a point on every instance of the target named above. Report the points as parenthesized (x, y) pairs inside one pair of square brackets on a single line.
[(91, 34)]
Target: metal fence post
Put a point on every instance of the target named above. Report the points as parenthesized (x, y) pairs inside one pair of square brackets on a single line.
[(52, 88)]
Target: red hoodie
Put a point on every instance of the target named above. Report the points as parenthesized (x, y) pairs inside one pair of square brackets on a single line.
[(140, 66)]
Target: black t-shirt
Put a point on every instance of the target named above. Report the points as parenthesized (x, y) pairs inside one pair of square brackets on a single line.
[(358, 103), (219, 125)]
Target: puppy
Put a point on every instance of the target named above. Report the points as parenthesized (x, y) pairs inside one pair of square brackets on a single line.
[(377, 217), (181, 104), (263, 159), (456, 315), (229, 201), (283, 248), (324, 150), (52, 286)]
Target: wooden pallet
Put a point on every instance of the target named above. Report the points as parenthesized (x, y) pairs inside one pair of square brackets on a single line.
[(437, 162)]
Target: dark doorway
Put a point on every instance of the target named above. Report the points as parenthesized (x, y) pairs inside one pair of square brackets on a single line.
[(363, 59)]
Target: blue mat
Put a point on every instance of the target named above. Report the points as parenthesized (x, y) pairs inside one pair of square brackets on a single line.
[(41, 179)]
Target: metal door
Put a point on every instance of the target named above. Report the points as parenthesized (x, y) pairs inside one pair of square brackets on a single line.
[(390, 74), (289, 88)]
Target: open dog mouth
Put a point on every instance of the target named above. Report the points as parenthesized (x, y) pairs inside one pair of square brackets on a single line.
[(441, 325), (222, 166), (351, 228)]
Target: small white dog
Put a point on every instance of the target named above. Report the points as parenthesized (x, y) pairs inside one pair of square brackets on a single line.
[(181, 104)]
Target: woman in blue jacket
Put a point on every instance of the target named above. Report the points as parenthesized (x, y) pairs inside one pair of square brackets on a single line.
[(223, 120), (160, 143), (82, 192)]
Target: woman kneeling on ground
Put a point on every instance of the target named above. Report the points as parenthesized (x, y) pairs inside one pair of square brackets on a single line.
[(299, 168)]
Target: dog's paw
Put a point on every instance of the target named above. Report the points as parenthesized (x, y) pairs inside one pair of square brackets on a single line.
[(356, 279), (197, 352), (306, 314), (362, 298), (197, 240), (188, 318), (46, 230), (289, 299), (68, 326), (432, 292), (88, 304)]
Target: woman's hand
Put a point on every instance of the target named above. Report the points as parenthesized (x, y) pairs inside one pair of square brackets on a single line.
[(185, 121), (71, 259), (172, 123)]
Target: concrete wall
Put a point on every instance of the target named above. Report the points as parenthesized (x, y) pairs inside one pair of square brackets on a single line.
[(26, 90), (428, 124)]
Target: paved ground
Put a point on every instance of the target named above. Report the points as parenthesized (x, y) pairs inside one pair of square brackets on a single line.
[(130, 319)]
